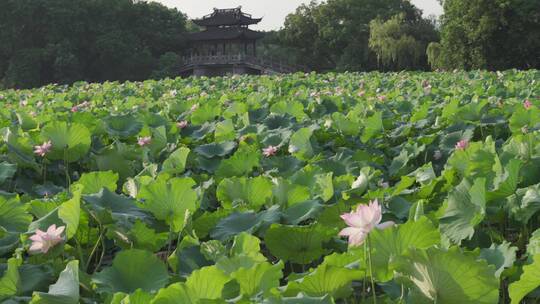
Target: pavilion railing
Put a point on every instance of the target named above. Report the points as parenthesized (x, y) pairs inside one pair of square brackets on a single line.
[(264, 63)]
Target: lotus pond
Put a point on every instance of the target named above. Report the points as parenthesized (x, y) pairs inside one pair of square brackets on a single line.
[(334, 188)]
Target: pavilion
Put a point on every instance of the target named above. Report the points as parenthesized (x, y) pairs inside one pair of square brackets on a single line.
[(227, 46)]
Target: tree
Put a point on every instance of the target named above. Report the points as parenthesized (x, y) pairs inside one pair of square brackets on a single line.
[(400, 44), (168, 66), (335, 34), (63, 41), (490, 34)]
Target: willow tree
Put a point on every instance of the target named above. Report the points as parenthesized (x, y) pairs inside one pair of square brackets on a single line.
[(401, 44)]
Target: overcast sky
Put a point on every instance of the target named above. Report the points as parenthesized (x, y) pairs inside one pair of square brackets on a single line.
[(272, 11)]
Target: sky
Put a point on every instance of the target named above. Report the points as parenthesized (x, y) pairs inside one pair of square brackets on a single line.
[(272, 11)]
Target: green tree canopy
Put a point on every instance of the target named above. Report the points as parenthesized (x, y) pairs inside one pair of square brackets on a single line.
[(400, 44), (62, 41), (489, 34), (335, 34)]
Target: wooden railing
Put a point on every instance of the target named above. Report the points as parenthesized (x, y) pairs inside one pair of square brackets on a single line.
[(277, 66)]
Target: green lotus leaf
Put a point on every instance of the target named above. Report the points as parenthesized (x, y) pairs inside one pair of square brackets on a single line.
[(35, 278), (533, 247), (501, 256), (300, 144), (393, 242), (507, 182), (373, 126), (173, 294), (528, 281), (114, 159), (69, 142), (225, 131), (26, 121), (326, 280), (170, 201), (122, 125), (110, 207), (13, 215), (10, 280), (259, 278), (301, 299), (298, 244), (94, 181), (138, 297), (479, 160), (176, 162), (70, 212), (287, 194), (525, 203), (284, 165), (252, 193), (241, 163), (465, 209), (207, 283), (132, 269), (399, 164), (207, 221), (9, 242), (67, 214), (20, 149), (300, 212), (147, 238), (206, 112), (246, 221), (216, 149), (246, 244), (435, 275), (524, 118), (291, 107), (319, 183), (65, 290), (7, 171), (189, 259), (345, 125)]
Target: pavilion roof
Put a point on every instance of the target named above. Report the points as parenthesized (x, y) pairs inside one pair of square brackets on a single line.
[(227, 17)]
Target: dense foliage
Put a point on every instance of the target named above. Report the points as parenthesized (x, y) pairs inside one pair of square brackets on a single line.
[(360, 35), (336, 34), (63, 41), (489, 34), (401, 44), (231, 189)]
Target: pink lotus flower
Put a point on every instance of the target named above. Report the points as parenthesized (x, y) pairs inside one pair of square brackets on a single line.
[(144, 141), (43, 149), (361, 93), (462, 144), (527, 104), (194, 107), (75, 109), (382, 98), (43, 241), (182, 124), (270, 151), (362, 221)]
